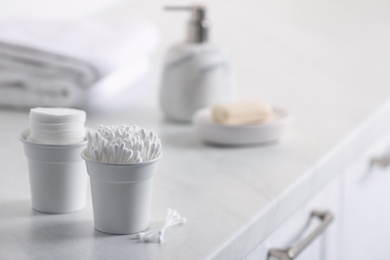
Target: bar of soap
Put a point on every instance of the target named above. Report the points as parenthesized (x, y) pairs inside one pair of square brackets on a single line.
[(57, 125), (242, 113)]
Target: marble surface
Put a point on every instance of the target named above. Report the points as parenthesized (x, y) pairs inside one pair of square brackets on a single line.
[(324, 61)]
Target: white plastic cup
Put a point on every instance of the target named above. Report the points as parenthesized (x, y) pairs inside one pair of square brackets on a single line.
[(121, 195), (58, 177)]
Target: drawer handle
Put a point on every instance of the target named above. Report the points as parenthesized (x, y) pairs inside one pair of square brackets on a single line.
[(290, 253), (382, 162)]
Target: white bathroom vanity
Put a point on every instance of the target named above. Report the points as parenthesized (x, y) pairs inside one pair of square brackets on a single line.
[(328, 64)]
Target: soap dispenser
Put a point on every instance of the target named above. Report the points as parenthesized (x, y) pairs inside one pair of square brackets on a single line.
[(196, 73)]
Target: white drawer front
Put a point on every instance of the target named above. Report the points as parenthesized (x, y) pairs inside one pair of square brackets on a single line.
[(327, 246), (367, 205)]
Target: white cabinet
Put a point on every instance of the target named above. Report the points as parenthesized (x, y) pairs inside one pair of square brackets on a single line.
[(359, 199), (326, 246), (260, 253), (367, 205)]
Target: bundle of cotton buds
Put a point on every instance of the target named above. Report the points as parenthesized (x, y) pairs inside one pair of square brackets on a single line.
[(123, 144), (157, 235)]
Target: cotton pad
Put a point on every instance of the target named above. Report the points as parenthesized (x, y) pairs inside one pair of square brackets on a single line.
[(56, 125)]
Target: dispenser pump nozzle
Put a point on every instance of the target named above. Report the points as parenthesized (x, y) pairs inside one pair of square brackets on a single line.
[(198, 25)]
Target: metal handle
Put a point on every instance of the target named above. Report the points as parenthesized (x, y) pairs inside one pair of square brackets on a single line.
[(290, 253), (382, 162)]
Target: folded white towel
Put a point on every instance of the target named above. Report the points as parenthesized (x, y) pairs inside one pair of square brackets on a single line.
[(63, 61), (29, 77)]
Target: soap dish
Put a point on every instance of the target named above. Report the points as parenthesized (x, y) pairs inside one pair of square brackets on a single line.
[(215, 133)]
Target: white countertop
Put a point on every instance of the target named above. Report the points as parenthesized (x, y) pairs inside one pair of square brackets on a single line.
[(326, 62)]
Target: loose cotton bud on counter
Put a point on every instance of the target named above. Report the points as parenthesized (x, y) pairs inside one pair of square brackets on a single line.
[(157, 235)]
